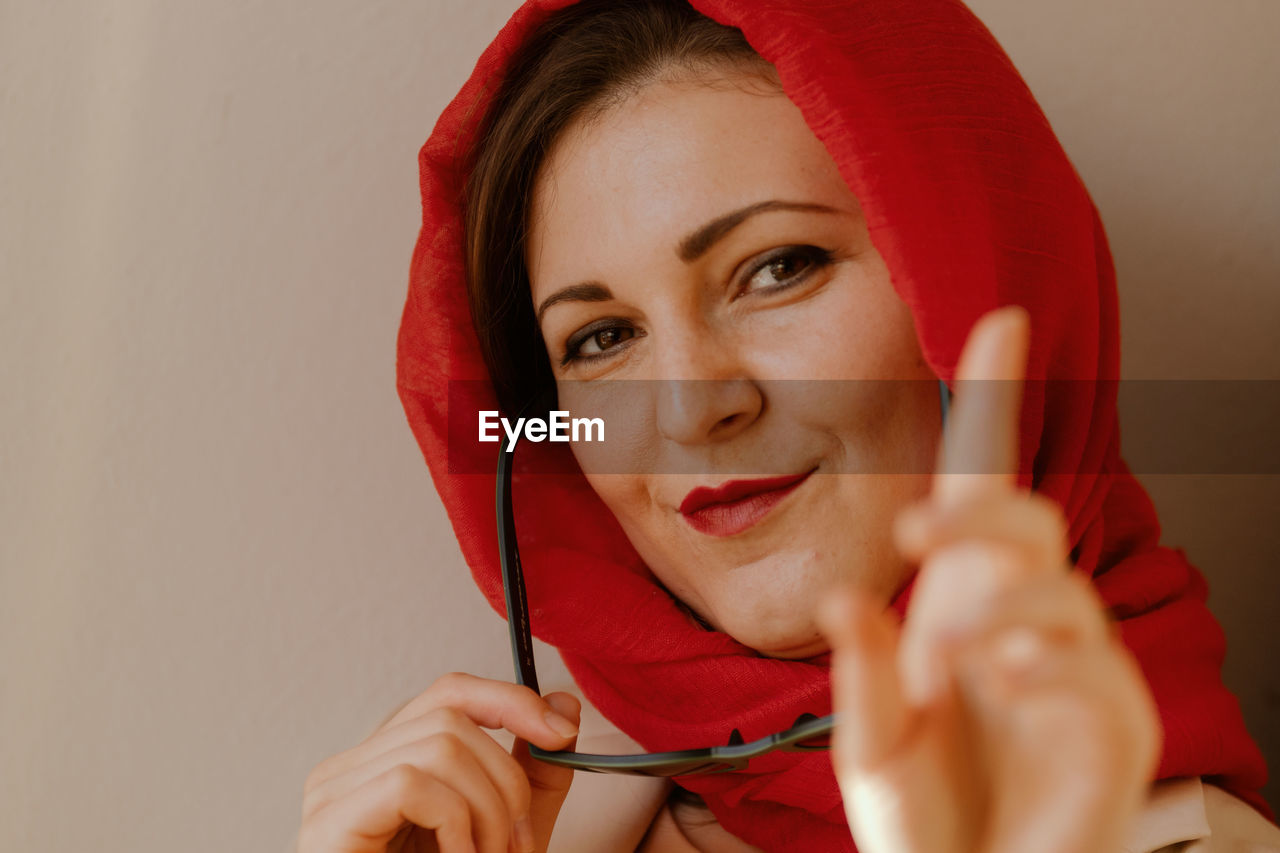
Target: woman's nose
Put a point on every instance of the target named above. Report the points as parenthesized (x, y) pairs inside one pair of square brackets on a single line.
[(705, 394)]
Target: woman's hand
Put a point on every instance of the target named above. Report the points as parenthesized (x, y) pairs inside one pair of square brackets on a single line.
[(1004, 715), (429, 779)]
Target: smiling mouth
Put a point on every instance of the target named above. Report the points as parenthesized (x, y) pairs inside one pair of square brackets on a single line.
[(737, 505)]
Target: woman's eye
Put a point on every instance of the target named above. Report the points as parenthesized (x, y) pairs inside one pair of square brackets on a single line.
[(787, 267), (593, 342)]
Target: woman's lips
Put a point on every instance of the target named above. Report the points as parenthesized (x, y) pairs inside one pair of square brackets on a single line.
[(734, 506)]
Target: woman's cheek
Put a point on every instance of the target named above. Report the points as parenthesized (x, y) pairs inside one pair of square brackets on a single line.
[(625, 414)]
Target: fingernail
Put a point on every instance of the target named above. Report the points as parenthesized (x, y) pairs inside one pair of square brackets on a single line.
[(523, 831), (560, 725)]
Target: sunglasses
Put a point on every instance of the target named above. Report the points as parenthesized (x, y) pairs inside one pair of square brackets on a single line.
[(809, 733)]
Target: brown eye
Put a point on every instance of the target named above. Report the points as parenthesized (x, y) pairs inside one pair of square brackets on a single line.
[(787, 266), (606, 338), (594, 341), (790, 266)]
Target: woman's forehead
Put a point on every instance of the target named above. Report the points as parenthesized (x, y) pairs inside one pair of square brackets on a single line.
[(665, 160)]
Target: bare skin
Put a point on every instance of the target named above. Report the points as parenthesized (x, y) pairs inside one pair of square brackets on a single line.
[(748, 358), (431, 779), (1003, 715)]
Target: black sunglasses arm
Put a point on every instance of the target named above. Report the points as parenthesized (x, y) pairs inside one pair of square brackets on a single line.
[(513, 578)]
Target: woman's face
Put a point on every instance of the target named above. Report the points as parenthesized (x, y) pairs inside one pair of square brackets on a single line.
[(738, 331)]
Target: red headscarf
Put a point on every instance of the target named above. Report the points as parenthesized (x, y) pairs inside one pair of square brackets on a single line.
[(973, 204)]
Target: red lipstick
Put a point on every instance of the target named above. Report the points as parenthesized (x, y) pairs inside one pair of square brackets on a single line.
[(734, 506)]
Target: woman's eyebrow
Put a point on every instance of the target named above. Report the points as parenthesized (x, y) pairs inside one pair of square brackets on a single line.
[(587, 291), (696, 244), (692, 247)]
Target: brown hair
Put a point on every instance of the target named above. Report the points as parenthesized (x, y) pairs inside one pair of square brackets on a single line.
[(582, 60)]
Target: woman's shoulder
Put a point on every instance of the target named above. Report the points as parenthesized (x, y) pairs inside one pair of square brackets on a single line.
[(1189, 815)]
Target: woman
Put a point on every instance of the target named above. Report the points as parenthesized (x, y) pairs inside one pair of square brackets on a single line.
[(740, 217)]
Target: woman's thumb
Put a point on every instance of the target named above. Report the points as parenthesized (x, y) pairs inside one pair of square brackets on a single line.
[(866, 691), (549, 783)]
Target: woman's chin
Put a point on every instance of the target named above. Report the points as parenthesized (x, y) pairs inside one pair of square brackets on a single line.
[(811, 648), (780, 635)]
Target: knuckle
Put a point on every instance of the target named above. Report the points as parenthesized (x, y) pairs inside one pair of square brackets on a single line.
[(444, 748), (452, 682), (403, 779), (318, 776)]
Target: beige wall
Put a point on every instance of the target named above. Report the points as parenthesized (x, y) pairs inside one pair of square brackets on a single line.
[(221, 557)]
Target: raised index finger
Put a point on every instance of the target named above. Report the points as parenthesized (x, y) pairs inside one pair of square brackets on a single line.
[(979, 451)]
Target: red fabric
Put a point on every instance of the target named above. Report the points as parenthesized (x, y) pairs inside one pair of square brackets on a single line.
[(973, 204)]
